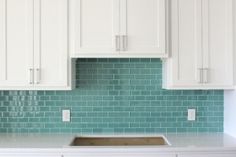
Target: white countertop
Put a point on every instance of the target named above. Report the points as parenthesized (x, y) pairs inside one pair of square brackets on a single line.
[(185, 141)]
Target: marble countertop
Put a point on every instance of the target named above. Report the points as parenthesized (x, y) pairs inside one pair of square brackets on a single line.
[(177, 141)]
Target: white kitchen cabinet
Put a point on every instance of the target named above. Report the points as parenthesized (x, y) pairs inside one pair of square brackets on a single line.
[(51, 44), (119, 155), (207, 155), (118, 28), (201, 45), (29, 155), (34, 45)]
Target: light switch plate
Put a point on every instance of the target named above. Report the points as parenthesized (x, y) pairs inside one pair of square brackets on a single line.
[(191, 114), (65, 115)]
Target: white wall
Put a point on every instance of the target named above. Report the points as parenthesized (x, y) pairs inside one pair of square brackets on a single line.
[(230, 113), (230, 96)]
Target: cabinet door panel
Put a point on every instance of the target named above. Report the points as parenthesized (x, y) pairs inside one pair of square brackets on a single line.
[(27, 155), (217, 37), (143, 21), (186, 43), (51, 43), (118, 155), (207, 155), (94, 25), (2, 40), (16, 42)]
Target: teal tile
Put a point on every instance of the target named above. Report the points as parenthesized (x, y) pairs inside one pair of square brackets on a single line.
[(113, 96)]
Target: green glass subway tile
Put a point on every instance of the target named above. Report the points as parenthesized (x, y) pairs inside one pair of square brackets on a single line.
[(44, 109), (156, 114), (60, 93), (218, 92), (198, 124), (139, 130), (213, 129), (133, 125), (150, 66), (52, 130), (187, 124), (167, 125), (202, 97), (172, 130), (104, 60), (124, 71), (145, 71), (107, 65), (116, 130), (3, 109), (181, 130), (124, 92), (218, 114), (200, 129), (156, 125), (135, 60), (201, 119), (161, 130), (171, 119), (23, 119), (4, 130), (194, 130)]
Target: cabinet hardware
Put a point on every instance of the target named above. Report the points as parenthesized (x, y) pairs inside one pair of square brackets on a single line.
[(124, 43), (200, 77), (205, 75), (31, 76), (38, 77), (117, 43)]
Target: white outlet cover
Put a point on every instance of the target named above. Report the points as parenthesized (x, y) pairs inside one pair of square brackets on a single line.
[(191, 114), (65, 115)]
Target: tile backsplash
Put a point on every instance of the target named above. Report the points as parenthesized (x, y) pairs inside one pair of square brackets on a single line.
[(112, 96)]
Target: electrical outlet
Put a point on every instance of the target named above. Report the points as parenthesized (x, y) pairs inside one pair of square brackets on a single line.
[(65, 115), (191, 114)]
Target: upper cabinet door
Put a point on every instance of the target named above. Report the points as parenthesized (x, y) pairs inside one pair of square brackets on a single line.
[(51, 43), (207, 155), (183, 68), (217, 43), (94, 27), (143, 27), (202, 50), (16, 43)]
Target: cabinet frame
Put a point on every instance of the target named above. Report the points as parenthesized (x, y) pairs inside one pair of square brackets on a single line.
[(204, 75), (119, 33), (32, 78)]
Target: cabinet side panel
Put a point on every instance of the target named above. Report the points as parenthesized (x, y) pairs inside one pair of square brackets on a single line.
[(3, 40)]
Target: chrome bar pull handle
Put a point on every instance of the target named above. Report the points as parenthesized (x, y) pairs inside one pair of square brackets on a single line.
[(31, 70), (38, 76), (124, 42), (200, 75), (205, 75), (117, 43)]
